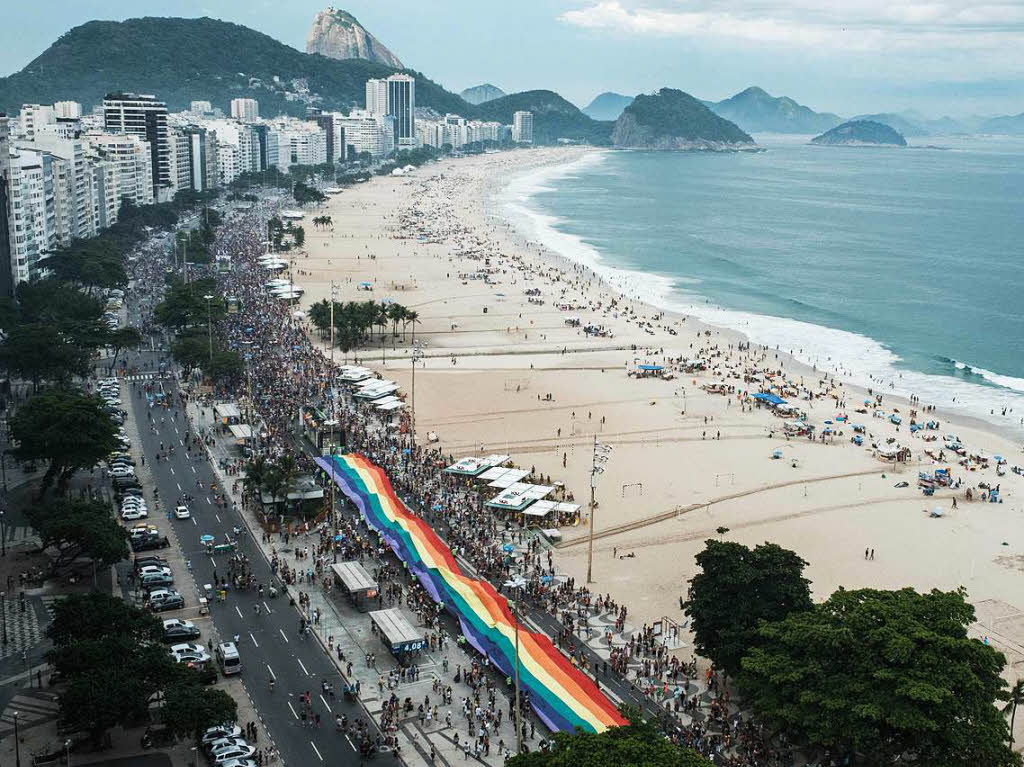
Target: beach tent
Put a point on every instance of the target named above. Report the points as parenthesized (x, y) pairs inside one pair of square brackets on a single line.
[(650, 367), (508, 478), (770, 399)]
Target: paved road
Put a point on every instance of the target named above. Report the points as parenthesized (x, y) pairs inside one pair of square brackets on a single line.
[(269, 642)]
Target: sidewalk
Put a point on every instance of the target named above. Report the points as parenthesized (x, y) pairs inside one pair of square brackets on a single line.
[(342, 627)]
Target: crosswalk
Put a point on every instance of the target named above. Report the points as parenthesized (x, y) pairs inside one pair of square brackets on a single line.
[(34, 707), (24, 630), (20, 536)]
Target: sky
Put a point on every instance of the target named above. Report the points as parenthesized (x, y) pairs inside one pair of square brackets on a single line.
[(939, 57)]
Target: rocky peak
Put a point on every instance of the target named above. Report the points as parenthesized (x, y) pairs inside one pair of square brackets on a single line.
[(337, 35)]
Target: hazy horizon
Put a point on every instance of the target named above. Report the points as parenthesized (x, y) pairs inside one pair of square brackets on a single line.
[(939, 58)]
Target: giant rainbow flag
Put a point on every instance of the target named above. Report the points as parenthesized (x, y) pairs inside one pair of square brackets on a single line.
[(563, 696)]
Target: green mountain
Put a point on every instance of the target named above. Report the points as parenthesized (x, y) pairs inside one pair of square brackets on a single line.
[(859, 133), (553, 117), (607, 106), (896, 122), (756, 111), (181, 60), (671, 119), (1012, 125), (478, 94)]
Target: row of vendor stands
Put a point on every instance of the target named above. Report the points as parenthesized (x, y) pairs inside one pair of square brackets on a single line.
[(515, 496)]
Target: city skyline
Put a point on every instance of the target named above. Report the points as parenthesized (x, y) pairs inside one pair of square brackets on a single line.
[(945, 58)]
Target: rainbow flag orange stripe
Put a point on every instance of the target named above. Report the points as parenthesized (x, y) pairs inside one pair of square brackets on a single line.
[(562, 695)]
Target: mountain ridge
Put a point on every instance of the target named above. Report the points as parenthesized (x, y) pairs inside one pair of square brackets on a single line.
[(483, 93), (757, 111), (337, 34), (607, 106)]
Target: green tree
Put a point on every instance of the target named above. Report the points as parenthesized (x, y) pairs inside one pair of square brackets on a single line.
[(738, 588), (39, 352), (81, 617), (889, 675), (120, 339), (69, 429), (1015, 698), (298, 236), (637, 743), (190, 708), (79, 528)]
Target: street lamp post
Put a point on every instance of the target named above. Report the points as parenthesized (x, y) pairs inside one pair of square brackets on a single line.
[(596, 467), (209, 324), (17, 745), (417, 354), (3, 609)]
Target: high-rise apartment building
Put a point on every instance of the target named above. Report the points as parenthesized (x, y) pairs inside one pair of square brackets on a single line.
[(246, 110), (73, 184), (132, 157), (395, 97), (366, 132), (33, 117), (145, 117), (330, 123), (522, 127), (200, 107), (33, 210), (6, 267), (377, 97)]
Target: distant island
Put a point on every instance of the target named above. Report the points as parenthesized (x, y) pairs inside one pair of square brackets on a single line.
[(861, 133), (673, 120)]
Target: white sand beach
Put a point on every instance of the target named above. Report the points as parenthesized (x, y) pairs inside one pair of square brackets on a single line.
[(503, 372)]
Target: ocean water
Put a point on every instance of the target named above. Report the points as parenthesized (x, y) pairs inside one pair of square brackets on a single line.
[(899, 269)]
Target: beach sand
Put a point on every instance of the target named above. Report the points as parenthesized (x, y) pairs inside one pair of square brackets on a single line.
[(494, 354)]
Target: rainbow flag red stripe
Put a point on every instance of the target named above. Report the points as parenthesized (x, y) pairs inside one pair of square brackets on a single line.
[(562, 695)]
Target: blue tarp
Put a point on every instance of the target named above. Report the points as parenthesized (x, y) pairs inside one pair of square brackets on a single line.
[(650, 367), (771, 399)]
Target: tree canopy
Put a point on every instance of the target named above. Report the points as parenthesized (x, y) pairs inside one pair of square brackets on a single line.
[(889, 675), (638, 743), (78, 528), (68, 429), (738, 588)]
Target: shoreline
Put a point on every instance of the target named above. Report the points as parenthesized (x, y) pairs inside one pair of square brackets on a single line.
[(502, 372), (656, 291)]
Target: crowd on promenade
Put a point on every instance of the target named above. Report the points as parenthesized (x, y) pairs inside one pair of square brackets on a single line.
[(285, 373)]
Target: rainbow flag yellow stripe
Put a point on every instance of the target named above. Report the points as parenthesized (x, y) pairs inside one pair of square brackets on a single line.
[(563, 696)]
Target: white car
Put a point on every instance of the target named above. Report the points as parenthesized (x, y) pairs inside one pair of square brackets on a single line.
[(182, 512), (131, 514), (221, 731), (154, 570), (188, 647), (222, 743), (122, 471), (227, 753)]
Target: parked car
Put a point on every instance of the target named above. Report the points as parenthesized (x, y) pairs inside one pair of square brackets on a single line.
[(165, 599), (133, 512), (213, 745), (176, 629), (154, 570), (220, 731), (227, 753), (155, 581), (150, 543)]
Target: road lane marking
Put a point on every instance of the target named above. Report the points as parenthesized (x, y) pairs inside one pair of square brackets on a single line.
[(293, 710), (350, 742), (179, 486), (193, 469), (194, 521), (266, 607), (239, 612), (171, 468), (272, 674), (303, 666), (217, 516), (316, 749), (253, 639), (283, 635), (326, 704)]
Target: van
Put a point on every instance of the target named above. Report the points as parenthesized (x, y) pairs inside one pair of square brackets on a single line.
[(228, 658)]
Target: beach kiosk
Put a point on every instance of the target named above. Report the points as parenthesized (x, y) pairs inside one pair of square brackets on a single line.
[(353, 580), (395, 631)]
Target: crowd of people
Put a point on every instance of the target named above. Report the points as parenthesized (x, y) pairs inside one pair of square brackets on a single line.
[(286, 373)]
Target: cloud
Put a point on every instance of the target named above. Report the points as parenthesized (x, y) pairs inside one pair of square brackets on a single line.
[(930, 26)]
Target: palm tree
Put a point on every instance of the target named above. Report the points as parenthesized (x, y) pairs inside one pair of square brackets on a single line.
[(396, 313), (411, 318), (255, 474), (1016, 698)]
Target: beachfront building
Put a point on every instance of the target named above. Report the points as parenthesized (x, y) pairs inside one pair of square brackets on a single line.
[(32, 117), (395, 97), (365, 132), (522, 127), (132, 157), (67, 110), (457, 131), (6, 279), (295, 142), (72, 181), (33, 210), (145, 117), (334, 131), (246, 110)]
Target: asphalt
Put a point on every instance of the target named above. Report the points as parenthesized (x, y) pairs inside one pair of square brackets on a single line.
[(270, 644)]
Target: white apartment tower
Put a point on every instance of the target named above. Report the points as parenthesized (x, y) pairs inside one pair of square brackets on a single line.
[(145, 117), (522, 127), (395, 97), (246, 110)]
